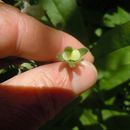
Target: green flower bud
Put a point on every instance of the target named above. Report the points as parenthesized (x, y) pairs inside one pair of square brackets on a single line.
[(72, 56)]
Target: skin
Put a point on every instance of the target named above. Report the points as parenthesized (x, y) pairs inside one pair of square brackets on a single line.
[(29, 100)]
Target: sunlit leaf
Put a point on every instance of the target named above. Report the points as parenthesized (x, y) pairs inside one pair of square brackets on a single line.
[(116, 18)]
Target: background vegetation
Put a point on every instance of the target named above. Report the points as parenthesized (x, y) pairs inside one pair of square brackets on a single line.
[(103, 26)]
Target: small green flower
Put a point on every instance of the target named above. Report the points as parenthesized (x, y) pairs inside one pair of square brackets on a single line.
[(72, 56)]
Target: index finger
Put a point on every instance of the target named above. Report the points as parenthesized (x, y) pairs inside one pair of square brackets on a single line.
[(28, 38)]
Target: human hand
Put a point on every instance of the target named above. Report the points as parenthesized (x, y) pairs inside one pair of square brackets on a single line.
[(30, 99)]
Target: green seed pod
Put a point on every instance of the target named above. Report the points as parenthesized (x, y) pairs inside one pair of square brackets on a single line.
[(72, 56)]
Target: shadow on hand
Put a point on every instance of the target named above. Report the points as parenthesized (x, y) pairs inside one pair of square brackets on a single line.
[(28, 108)]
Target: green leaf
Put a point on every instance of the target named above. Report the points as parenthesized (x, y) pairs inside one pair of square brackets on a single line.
[(83, 51), (65, 15), (98, 32), (117, 18), (111, 41), (75, 128), (117, 66), (112, 55), (88, 117), (2, 71), (110, 113), (26, 65)]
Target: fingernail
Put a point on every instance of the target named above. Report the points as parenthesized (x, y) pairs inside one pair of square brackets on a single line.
[(83, 77)]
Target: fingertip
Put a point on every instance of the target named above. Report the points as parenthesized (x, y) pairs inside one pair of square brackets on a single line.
[(86, 77)]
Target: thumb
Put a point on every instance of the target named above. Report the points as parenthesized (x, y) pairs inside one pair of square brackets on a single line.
[(53, 85), (58, 75)]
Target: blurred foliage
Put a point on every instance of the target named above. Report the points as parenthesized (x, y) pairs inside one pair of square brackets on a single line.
[(105, 27)]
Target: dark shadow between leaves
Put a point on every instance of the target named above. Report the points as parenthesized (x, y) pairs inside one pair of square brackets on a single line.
[(118, 123)]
